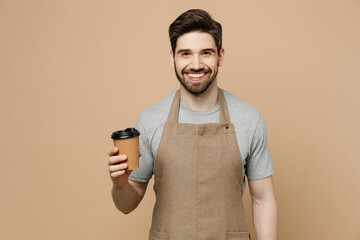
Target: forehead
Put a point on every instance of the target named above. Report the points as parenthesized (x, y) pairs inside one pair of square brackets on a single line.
[(195, 41)]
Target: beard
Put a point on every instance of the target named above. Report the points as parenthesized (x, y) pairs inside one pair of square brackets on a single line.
[(197, 88)]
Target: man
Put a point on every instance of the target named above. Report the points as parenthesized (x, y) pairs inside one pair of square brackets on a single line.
[(199, 143)]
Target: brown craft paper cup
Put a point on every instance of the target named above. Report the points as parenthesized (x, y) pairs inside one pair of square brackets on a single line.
[(129, 147)]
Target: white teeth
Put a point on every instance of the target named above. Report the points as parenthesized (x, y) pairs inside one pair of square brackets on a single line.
[(196, 75)]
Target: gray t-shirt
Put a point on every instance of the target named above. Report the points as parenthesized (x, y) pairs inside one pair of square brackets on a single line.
[(249, 127)]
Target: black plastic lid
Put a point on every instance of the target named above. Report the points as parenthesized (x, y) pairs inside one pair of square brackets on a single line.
[(127, 133)]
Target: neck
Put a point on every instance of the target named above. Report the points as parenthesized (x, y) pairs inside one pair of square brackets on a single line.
[(202, 102)]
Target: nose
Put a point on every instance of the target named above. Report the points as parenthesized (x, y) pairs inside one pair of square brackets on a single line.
[(196, 62)]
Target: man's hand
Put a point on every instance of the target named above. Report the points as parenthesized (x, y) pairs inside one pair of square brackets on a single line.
[(118, 168), (126, 193)]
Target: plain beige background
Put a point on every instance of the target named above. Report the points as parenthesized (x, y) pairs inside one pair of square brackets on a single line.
[(74, 71)]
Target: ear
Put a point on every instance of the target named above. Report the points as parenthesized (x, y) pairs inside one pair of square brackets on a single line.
[(172, 58), (221, 57)]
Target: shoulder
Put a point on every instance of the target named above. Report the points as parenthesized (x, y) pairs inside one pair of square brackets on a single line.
[(156, 114), (240, 110), (159, 109)]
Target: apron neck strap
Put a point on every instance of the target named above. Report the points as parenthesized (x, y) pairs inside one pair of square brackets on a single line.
[(224, 111)]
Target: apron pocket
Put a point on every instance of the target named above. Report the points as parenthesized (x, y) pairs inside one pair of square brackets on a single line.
[(157, 235), (238, 236)]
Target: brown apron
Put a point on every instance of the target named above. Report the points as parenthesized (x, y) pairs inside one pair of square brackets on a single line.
[(198, 180)]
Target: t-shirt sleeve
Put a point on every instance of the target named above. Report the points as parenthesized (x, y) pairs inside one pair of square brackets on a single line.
[(146, 162), (258, 163)]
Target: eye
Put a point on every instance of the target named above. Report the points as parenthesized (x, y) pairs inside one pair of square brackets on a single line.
[(206, 53), (185, 54)]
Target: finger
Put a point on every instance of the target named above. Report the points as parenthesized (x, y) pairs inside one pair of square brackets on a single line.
[(113, 151), (117, 159), (118, 167), (117, 174), (140, 154)]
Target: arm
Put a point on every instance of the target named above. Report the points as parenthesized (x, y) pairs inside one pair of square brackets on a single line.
[(126, 194), (264, 209), (128, 197)]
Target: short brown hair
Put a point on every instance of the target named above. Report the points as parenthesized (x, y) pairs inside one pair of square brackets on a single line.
[(195, 20)]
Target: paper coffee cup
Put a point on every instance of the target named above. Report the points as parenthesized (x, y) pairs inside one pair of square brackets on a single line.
[(127, 141)]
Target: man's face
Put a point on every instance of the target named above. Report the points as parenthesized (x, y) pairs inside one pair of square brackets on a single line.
[(196, 61)]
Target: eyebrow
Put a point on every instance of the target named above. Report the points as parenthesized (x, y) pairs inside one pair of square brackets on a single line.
[(209, 50), (182, 50), (202, 50)]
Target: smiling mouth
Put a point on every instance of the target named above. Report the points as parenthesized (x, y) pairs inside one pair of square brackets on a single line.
[(196, 76)]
